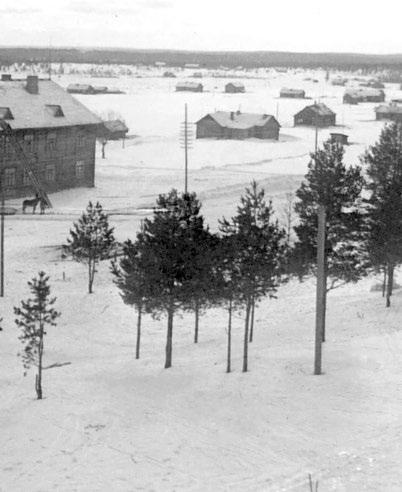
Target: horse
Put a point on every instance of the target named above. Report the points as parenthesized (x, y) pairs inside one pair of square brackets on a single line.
[(33, 202)]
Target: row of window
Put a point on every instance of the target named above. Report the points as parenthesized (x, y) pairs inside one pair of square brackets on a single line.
[(30, 143), (10, 174)]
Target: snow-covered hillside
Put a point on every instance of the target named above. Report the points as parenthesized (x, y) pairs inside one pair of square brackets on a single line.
[(111, 423)]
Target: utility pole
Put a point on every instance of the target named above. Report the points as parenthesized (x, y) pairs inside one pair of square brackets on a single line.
[(321, 289), (2, 239), (186, 136)]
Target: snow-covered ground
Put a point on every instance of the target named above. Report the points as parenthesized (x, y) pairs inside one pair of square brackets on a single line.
[(111, 423)]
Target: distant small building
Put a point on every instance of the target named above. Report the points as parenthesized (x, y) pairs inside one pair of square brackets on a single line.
[(373, 83), (114, 130), (197, 75), (189, 87), (355, 96), (81, 89), (169, 75), (340, 138), (392, 112), (292, 93), (234, 87), (238, 126), (315, 115), (338, 81), (92, 89)]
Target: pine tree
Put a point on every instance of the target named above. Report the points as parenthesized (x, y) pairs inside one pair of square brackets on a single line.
[(167, 246), (91, 240), (330, 183), (32, 317), (131, 278), (384, 205), (225, 285), (260, 247)]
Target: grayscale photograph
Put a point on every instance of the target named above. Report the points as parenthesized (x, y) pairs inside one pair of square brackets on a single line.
[(200, 246)]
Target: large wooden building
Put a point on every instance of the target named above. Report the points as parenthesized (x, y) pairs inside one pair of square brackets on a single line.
[(355, 96), (55, 131), (317, 114), (237, 125)]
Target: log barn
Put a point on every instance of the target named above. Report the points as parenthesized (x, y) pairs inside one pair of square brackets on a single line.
[(317, 114), (355, 96), (238, 126), (234, 87), (55, 131), (189, 87), (391, 112), (292, 93)]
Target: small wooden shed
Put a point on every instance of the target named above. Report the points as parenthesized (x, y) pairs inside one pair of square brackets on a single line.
[(340, 138)]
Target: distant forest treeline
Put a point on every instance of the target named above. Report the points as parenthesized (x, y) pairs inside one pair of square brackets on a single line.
[(215, 59)]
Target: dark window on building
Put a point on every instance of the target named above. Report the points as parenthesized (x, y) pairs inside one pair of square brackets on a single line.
[(29, 142), (80, 140), (50, 172), (55, 110), (80, 169), (51, 141), (6, 114), (26, 180), (9, 177)]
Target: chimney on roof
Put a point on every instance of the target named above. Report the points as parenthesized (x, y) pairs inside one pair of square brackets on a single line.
[(5, 77), (232, 115), (32, 84)]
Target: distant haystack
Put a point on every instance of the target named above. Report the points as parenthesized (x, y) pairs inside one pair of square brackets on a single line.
[(237, 125), (292, 93), (234, 87), (315, 115), (189, 87)]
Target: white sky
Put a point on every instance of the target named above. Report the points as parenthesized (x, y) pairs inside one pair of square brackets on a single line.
[(290, 25)]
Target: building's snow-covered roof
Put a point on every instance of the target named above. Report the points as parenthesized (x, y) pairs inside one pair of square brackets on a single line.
[(286, 90), (51, 107), (116, 126), (389, 109), (239, 85), (240, 121), (188, 84), (364, 92), (320, 109)]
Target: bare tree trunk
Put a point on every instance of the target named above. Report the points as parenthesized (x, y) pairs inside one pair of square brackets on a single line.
[(384, 282), (38, 379), (245, 346), (229, 356), (168, 360), (252, 320), (137, 347), (390, 284), (91, 274), (197, 317), (324, 321)]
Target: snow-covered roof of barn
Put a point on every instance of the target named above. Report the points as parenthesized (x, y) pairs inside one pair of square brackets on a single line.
[(241, 121)]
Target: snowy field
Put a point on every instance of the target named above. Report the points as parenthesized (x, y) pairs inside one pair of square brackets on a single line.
[(111, 423)]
